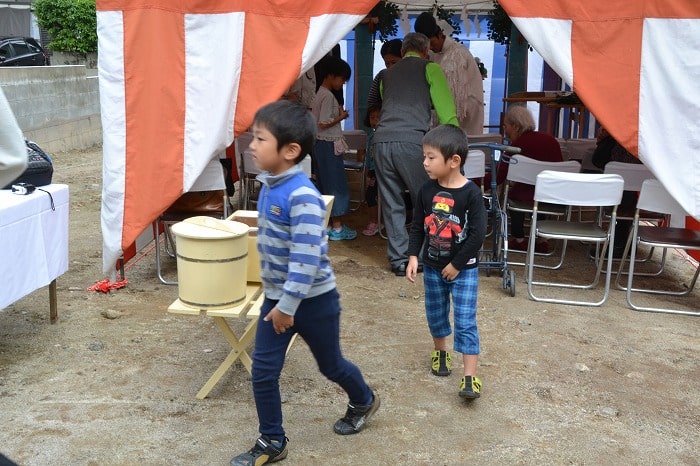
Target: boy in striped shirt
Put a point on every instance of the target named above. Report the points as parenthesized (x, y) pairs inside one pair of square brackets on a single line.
[(299, 284)]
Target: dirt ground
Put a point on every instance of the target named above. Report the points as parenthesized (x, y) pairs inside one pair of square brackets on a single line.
[(562, 384)]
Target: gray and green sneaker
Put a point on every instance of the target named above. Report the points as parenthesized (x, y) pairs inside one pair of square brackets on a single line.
[(441, 363), (470, 387), (264, 451), (356, 417)]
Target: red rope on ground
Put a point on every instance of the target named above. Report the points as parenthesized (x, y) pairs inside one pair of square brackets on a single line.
[(105, 286)]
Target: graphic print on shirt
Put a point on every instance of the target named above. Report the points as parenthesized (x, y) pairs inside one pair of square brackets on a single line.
[(442, 226)]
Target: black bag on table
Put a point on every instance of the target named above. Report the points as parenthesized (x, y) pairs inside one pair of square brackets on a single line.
[(39, 167)]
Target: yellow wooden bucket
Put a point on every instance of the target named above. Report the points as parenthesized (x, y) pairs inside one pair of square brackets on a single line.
[(250, 218), (212, 257)]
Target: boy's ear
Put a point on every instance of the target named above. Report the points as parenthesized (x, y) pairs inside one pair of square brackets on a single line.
[(291, 151), (455, 161)]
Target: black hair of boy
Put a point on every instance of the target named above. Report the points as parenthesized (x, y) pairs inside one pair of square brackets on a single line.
[(334, 66), (450, 140), (391, 47), (370, 109), (289, 122)]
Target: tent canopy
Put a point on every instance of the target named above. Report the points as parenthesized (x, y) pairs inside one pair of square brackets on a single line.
[(168, 110)]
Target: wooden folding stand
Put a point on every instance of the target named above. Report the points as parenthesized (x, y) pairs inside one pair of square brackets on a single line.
[(248, 309)]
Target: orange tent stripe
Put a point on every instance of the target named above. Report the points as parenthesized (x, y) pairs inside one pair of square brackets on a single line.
[(268, 66), (279, 8), (596, 10), (606, 58), (154, 137)]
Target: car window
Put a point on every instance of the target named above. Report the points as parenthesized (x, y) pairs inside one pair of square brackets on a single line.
[(32, 48), (22, 48), (5, 51)]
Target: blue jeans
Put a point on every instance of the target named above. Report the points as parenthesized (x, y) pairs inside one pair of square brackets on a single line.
[(317, 321)]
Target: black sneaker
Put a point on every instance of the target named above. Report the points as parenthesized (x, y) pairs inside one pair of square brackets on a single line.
[(356, 417), (264, 451), (470, 387), (441, 363)]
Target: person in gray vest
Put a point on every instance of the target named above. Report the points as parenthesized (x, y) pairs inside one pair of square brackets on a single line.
[(409, 89)]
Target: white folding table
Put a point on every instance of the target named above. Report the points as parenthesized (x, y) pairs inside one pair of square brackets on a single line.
[(33, 243)]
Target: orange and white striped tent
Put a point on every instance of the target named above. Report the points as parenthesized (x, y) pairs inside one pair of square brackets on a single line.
[(636, 66), (180, 78)]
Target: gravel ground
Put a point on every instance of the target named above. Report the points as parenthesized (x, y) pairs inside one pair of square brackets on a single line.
[(114, 381)]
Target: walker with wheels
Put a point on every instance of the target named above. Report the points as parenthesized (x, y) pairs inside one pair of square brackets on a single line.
[(495, 257)]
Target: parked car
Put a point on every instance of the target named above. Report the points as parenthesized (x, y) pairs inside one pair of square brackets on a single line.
[(22, 51)]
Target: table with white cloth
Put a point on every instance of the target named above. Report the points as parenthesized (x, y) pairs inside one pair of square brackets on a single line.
[(33, 243)]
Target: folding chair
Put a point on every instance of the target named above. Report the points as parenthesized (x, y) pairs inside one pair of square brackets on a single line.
[(357, 142), (522, 169), (654, 197), (574, 189), (248, 170), (634, 175), (206, 197)]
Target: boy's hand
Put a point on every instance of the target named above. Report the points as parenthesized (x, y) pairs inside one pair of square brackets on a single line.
[(280, 321), (449, 272), (343, 113), (412, 269)]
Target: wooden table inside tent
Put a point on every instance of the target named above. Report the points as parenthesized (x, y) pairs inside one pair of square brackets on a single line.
[(552, 101), (248, 309)]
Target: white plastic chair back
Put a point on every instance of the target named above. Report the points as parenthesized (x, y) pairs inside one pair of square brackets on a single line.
[(655, 198), (579, 189), (523, 169), (634, 174), (475, 165)]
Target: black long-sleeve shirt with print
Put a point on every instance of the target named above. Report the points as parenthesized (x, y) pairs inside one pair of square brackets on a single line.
[(452, 224)]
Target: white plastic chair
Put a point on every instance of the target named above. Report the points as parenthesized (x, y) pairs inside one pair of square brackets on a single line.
[(634, 175), (475, 165), (574, 189), (522, 169), (654, 197)]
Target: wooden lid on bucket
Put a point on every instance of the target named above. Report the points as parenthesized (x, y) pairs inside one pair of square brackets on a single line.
[(203, 227)]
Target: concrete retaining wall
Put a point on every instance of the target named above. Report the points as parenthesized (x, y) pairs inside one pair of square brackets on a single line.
[(58, 107)]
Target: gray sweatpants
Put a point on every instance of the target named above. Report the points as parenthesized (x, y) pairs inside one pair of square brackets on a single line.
[(399, 167)]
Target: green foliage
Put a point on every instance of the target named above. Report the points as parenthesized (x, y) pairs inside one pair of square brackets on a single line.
[(71, 23), (387, 14), (499, 24)]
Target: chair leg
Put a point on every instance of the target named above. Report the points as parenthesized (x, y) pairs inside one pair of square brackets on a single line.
[(159, 269), (630, 289), (531, 283)]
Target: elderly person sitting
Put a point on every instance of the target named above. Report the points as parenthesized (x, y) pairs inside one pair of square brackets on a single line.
[(519, 127)]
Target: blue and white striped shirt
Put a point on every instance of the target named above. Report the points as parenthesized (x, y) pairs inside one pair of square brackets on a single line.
[(292, 242)]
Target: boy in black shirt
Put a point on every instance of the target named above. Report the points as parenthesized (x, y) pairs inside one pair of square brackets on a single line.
[(450, 218)]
